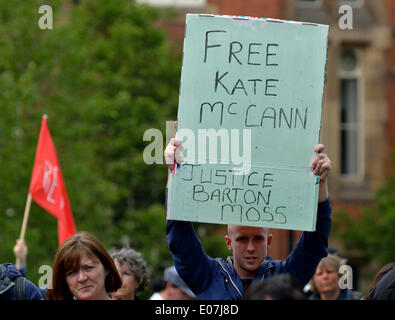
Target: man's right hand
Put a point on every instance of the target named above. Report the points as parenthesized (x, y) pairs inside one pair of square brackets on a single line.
[(173, 151)]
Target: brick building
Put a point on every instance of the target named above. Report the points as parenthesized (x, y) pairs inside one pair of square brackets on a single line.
[(359, 97)]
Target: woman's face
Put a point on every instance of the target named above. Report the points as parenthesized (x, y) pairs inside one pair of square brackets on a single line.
[(326, 279), (129, 282), (88, 282)]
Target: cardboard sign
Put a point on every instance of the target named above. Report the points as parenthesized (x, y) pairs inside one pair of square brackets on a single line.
[(249, 117)]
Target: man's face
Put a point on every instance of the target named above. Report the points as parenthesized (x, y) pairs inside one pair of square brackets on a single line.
[(249, 246)]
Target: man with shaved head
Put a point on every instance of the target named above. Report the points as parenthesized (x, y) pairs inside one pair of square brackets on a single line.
[(215, 278), (249, 246)]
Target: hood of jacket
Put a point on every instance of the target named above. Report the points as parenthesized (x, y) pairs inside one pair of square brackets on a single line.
[(267, 266), (8, 273)]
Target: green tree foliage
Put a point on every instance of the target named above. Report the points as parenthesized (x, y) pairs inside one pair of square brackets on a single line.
[(104, 74), (374, 233)]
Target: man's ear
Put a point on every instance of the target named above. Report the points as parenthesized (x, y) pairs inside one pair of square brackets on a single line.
[(228, 242)]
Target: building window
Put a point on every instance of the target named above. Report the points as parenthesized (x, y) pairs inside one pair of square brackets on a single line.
[(351, 114), (310, 3), (353, 3)]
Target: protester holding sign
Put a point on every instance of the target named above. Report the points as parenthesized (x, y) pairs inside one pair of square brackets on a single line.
[(83, 270), (214, 278), (256, 86), (249, 116)]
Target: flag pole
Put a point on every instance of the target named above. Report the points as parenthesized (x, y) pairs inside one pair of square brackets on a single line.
[(26, 216), (27, 207)]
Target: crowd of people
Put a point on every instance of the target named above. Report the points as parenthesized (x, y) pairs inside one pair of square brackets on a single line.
[(84, 270)]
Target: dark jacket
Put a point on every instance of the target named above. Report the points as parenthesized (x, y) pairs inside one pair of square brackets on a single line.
[(344, 294), (385, 288), (215, 278), (8, 276)]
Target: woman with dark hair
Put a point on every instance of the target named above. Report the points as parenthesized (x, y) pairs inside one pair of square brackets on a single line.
[(83, 270)]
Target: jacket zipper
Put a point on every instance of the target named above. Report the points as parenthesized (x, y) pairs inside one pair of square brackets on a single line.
[(234, 285)]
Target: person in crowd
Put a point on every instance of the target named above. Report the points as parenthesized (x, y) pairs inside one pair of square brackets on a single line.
[(83, 270), (383, 285), (158, 284), (133, 271), (14, 286), (214, 278), (325, 282), (174, 287), (20, 252), (307, 288), (280, 287)]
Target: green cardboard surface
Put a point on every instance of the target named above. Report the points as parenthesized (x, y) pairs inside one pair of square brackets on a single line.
[(257, 84)]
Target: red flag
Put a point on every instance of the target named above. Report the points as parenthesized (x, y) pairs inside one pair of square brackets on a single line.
[(47, 187)]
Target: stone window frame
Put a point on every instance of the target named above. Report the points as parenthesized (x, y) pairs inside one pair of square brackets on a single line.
[(357, 74), (309, 4), (354, 4)]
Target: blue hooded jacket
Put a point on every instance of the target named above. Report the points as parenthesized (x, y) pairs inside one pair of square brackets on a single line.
[(8, 276), (214, 278)]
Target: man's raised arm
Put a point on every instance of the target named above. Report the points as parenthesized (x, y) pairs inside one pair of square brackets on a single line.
[(313, 246), (192, 263)]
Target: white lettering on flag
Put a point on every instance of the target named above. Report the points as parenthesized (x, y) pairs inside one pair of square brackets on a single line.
[(50, 180)]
